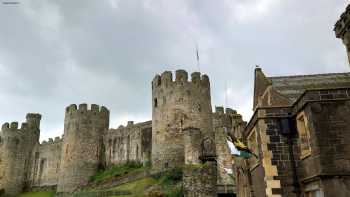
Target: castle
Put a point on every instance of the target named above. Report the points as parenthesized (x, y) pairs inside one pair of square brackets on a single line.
[(182, 123), (300, 132)]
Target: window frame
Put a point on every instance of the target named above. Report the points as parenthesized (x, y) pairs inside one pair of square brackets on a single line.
[(303, 130)]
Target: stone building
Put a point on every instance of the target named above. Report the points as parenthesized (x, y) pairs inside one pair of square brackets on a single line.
[(342, 30), (300, 131), (226, 123), (16, 147), (178, 104), (46, 164), (82, 148), (180, 133), (130, 143)]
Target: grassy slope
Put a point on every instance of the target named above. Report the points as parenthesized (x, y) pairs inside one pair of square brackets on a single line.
[(167, 184), (137, 187), (37, 194), (162, 184), (117, 170)]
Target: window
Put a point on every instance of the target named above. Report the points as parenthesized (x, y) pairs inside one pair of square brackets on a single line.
[(304, 135), (155, 102), (313, 193), (253, 146)]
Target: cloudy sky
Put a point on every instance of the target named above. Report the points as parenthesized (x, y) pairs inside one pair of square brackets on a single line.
[(54, 53)]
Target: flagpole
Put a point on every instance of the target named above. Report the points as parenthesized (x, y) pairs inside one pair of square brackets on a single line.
[(225, 104), (197, 56)]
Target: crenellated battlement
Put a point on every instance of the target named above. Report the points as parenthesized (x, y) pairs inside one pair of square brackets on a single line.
[(5, 126), (83, 108), (13, 126), (181, 78), (32, 119), (219, 110), (33, 116), (51, 141)]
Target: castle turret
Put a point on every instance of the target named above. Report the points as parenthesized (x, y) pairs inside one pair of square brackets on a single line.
[(16, 145), (342, 29), (82, 149), (178, 104)]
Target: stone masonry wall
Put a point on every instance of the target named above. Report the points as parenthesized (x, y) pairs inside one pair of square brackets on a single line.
[(223, 127), (83, 150), (176, 105), (200, 180), (130, 143), (46, 164), (16, 145), (329, 128)]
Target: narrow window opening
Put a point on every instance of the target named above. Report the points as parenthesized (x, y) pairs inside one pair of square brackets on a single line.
[(155, 102)]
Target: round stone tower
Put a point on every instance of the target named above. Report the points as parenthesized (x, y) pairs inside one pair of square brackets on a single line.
[(178, 104), (82, 149), (16, 146)]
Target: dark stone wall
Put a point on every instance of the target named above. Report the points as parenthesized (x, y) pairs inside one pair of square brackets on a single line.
[(336, 186), (329, 162), (200, 180), (258, 182), (146, 145), (281, 157), (330, 129)]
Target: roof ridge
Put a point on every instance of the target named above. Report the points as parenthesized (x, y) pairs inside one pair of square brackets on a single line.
[(309, 75)]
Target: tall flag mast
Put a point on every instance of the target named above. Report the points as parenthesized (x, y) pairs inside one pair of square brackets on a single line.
[(197, 56), (225, 94)]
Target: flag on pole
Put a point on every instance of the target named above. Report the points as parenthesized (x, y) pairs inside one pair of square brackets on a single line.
[(239, 149)]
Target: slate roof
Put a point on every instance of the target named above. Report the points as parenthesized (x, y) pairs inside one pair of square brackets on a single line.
[(293, 86)]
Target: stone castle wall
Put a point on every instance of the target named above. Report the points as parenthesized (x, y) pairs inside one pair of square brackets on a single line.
[(82, 151), (16, 145), (225, 124), (179, 133), (46, 164), (178, 104), (130, 143)]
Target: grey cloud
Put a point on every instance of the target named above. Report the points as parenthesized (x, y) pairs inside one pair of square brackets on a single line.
[(53, 53)]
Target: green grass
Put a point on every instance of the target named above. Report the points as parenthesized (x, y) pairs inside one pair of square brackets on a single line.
[(137, 187), (164, 184), (116, 171), (37, 194)]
